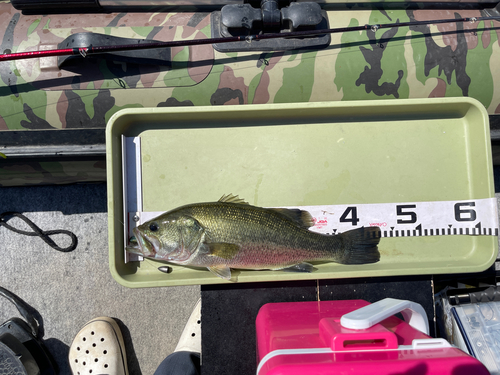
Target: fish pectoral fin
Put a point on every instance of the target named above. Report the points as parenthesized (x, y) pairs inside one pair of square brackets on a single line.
[(230, 198), (221, 271), (300, 217), (301, 267), (223, 250)]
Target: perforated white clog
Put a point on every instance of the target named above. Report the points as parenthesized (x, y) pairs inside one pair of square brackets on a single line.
[(98, 349), (190, 340)]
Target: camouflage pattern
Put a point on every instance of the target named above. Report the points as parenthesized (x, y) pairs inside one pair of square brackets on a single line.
[(455, 59)]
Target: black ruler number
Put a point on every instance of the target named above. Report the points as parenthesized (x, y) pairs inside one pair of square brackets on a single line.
[(402, 210), (407, 213), (350, 215), (463, 213)]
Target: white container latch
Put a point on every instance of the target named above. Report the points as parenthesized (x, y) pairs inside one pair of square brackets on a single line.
[(366, 317)]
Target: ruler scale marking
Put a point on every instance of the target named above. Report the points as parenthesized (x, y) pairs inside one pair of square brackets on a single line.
[(409, 219)]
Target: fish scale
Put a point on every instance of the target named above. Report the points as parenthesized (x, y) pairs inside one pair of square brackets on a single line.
[(230, 233), (274, 238)]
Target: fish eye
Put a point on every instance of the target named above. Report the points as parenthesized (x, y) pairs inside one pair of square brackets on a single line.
[(153, 227)]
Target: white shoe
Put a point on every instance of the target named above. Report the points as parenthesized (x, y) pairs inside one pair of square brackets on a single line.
[(190, 340), (98, 349)]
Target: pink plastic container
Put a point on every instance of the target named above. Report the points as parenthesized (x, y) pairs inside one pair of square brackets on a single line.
[(301, 338)]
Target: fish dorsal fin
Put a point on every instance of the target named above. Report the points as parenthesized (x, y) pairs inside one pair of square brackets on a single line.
[(230, 198), (300, 217), (223, 250), (221, 271)]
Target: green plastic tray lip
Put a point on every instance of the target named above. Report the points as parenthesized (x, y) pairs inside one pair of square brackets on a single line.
[(128, 121)]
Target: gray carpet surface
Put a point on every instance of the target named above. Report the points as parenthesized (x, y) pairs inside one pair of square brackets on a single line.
[(69, 289)]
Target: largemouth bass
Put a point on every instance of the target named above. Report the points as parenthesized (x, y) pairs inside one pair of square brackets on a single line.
[(230, 233)]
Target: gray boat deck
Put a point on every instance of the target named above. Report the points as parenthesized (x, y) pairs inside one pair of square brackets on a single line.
[(69, 289)]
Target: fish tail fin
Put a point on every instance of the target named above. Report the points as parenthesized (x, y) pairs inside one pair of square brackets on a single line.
[(361, 245)]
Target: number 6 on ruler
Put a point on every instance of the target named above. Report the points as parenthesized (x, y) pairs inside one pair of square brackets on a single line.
[(459, 211)]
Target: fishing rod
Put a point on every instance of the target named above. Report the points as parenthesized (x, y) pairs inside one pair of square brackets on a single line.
[(145, 44)]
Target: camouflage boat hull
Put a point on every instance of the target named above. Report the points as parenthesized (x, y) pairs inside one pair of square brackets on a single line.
[(36, 95)]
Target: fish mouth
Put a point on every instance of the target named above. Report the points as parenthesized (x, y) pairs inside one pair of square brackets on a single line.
[(143, 245), (133, 248)]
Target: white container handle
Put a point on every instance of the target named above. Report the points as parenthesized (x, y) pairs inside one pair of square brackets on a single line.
[(366, 317)]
